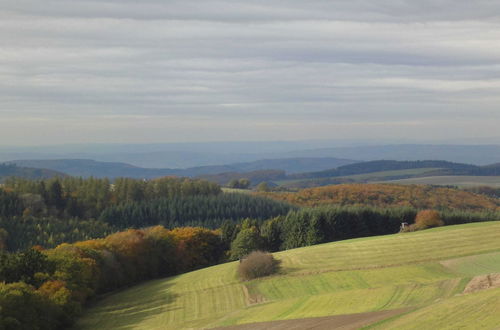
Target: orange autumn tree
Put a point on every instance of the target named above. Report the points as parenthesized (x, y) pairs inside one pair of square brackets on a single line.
[(428, 219)]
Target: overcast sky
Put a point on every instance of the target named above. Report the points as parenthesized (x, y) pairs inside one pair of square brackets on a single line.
[(168, 70)]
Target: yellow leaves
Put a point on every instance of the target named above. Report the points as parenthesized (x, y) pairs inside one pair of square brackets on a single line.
[(56, 291)]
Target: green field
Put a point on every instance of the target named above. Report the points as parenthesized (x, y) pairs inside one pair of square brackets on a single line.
[(453, 180), (367, 177), (425, 271), (236, 190), (383, 175)]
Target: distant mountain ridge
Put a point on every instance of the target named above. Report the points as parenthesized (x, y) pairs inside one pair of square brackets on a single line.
[(190, 155), (469, 154), (87, 167), (285, 172)]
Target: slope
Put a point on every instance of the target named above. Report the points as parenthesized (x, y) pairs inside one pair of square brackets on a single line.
[(354, 276), (383, 170)]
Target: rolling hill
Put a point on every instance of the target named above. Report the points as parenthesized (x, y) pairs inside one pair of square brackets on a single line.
[(410, 280), (470, 154), (187, 155), (384, 165), (11, 170), (99, 169), (386, 170)]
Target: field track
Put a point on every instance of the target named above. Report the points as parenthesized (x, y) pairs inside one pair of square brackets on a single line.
[(343, 322)]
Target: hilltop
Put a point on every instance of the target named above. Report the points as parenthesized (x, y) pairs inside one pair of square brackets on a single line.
[(11, 170), (417, 278)]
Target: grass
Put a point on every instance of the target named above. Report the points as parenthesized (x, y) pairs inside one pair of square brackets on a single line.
[(453, 180), (476, 264), (423, 270), (472, 311), (365, 177), (236, 190), (383, 175)]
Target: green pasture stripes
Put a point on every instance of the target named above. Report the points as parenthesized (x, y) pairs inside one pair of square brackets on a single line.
[(472, 311), (424, 270)]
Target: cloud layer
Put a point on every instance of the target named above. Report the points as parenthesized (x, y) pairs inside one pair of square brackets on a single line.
[(143, 71)]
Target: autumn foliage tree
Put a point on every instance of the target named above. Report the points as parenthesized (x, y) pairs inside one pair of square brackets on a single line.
[(428, 219), (46, 289)]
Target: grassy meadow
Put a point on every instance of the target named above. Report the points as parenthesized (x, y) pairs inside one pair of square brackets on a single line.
[(452, 180), (424, 271)]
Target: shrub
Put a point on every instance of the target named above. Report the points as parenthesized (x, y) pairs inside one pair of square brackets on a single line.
[(426, 219), (258, 264)]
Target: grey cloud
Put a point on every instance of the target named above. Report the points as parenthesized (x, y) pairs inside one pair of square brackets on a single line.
[(262, 10), (220, 65)]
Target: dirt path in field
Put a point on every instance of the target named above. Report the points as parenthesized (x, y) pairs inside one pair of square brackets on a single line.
[(483, 282), (343, 322)]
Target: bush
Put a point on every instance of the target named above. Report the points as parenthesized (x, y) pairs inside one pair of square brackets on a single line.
[(426, 219), (258, 264)]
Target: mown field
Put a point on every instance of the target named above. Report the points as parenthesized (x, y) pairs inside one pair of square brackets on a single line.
[(422, 273), (366, 177), (453, 180)]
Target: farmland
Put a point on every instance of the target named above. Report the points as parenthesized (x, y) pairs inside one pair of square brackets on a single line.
[(360, 178), (421, 273), (453, 180)]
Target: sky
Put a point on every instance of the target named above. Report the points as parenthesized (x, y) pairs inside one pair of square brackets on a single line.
[(123, 71)]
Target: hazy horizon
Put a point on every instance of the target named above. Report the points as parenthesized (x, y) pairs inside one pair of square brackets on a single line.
[(334, 143)]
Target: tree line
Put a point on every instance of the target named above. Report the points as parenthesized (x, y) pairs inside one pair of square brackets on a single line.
[(50, 212), (309, 226)]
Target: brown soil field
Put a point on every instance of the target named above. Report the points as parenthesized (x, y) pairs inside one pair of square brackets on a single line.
[(343, 322), (483, 282)]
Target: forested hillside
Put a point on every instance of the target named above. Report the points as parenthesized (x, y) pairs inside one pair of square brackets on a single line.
[(50, 212), (384, 195)]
